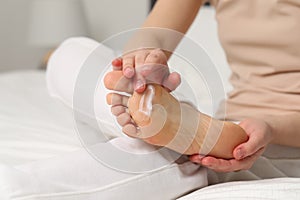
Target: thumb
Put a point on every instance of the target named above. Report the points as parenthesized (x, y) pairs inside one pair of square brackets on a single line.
[(247, 149)]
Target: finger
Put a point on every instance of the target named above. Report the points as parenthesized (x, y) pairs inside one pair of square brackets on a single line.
[(221, 165), (140, 58), (116, 81), (196, 158), (154, 73), (248, 148), (247, 162), (128, 66), (124, 119), (172, 81), (115, 99), (117, 64), (159, 74), (210, 161), (139, 83), (156, 56), (139, 80), (117, 110)]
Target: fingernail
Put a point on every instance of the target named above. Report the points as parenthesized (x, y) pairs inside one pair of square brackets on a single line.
[(240, 154), (129, 72)]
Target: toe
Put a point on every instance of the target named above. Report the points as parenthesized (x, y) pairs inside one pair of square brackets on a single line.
[(124, 119), (117, 64), (118, 110), (130, 130), (115, 99), (115, 80), (156, 56)]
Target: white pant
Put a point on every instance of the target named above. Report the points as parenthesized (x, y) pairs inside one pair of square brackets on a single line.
[(167, 182), (62, 73)]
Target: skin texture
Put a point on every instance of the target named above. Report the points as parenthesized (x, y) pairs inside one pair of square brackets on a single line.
[(245, 154), (164, 15), (261, 131), (173, 124), (141, 64)]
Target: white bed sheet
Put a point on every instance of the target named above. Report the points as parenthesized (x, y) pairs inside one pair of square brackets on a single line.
[(32, 125), (269, 189), (37, 151), (39, 146), (41, 156)]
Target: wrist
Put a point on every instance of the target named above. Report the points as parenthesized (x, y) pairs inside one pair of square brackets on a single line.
[(271, 129)]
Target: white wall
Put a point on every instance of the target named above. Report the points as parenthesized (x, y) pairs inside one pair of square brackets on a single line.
[(14, 52), (108, 17), (105, 18)]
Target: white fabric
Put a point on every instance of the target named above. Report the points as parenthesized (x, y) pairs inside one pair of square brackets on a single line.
[(32, 125), (77, 175), (62, 72), (275, 189), (277, 161), (41, 156), (267, 166)]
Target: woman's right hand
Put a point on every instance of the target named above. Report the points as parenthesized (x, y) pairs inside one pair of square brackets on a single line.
[(147, 66)]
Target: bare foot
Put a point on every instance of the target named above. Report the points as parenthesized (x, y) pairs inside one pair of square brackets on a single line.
[(159, 119), (163, 121)]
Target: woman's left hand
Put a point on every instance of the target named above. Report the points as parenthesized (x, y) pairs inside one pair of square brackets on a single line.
[(245, 154)]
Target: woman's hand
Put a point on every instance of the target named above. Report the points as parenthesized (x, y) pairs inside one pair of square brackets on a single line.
[(147, 65), (245, 154), (132, 72)]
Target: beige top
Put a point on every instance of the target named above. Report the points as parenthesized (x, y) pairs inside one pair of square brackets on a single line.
[(261, 39)]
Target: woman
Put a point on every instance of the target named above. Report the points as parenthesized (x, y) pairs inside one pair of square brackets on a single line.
[(262, 45)]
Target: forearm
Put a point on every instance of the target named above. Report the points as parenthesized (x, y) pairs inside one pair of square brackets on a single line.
[(285, 129), (175, 15)]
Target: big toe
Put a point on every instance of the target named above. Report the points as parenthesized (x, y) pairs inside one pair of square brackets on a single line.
[(115, 80)]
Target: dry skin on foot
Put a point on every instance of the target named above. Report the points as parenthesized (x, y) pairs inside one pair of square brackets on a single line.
[(164, 121)]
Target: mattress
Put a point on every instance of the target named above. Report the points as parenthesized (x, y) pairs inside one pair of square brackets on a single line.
[(41, 156), (25, 110)]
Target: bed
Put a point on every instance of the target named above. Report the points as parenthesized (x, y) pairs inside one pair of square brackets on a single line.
[(41, 156)]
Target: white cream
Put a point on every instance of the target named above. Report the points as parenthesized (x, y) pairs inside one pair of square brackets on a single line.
[(145, 105)]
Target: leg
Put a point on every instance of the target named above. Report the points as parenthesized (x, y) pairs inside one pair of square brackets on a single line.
[(61, 76), (164, 121), (95, 177)]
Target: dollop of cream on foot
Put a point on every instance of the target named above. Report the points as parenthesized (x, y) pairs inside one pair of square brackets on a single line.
[(145, 105), (140, 106)]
